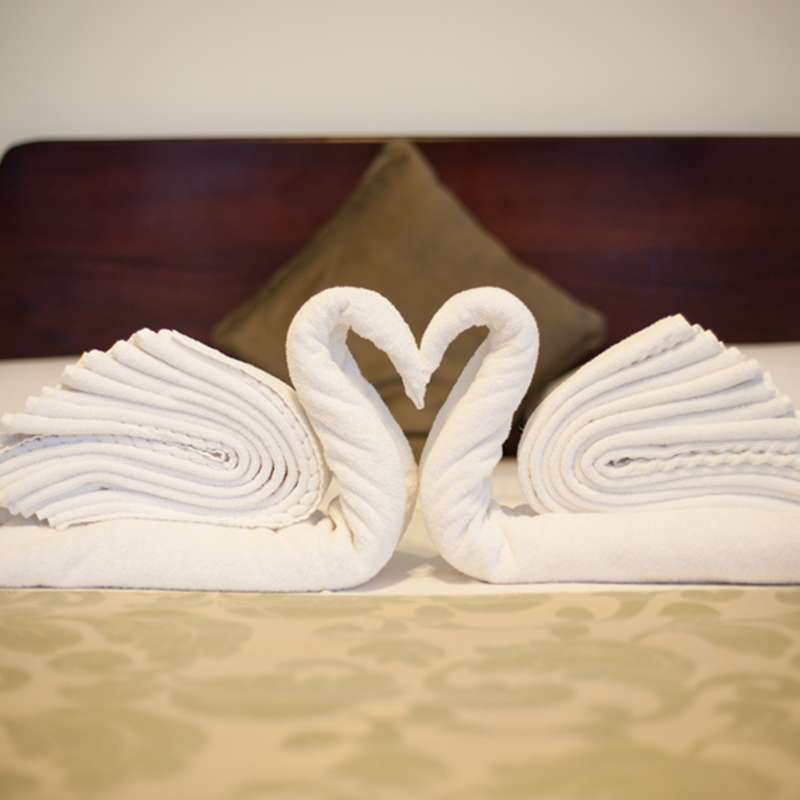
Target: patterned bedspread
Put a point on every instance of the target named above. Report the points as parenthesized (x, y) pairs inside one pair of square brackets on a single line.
[(659, 694)]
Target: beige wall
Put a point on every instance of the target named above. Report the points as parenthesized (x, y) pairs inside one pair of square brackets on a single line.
[(78, 68)]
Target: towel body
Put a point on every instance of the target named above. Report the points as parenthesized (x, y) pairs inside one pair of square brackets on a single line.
[(165, 464), (668, 458)]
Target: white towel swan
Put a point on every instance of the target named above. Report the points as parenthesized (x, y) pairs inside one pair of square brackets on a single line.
[(685, 444), (196, 471)]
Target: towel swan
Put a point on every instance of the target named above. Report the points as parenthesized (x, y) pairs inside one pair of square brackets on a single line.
[(200, 472), (713, 497)]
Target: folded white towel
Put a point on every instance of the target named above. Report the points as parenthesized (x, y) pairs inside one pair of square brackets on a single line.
[(198, 448), (668, 426)]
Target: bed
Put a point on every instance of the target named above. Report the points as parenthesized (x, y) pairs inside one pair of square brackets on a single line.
[(422, 680)]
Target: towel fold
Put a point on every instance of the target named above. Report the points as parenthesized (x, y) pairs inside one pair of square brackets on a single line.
[(668, 417), (162, 427)]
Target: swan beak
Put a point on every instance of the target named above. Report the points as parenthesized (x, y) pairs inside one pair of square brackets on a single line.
[(415, 390)]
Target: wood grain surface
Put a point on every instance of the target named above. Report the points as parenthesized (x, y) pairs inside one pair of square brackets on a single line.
[(100, 238)]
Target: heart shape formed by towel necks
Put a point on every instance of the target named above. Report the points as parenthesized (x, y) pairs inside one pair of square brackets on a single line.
[(339, 310)]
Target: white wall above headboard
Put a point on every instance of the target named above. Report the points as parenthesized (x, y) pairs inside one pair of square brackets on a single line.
[(116, 68)]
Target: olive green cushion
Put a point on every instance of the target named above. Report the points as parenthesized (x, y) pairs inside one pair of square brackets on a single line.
[(402, 233)]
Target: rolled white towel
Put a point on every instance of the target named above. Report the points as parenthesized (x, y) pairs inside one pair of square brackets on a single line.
[(163, 427), (662, 434), (667, 417)]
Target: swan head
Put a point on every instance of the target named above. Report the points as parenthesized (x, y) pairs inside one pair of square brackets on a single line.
[(415, 389), (328, 315), (508, 319)]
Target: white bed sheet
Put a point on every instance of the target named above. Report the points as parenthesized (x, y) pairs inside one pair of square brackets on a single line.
[(416, 568)]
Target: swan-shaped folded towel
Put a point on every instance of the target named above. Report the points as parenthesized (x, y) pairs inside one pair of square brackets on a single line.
[(684, 444), (178, 467)]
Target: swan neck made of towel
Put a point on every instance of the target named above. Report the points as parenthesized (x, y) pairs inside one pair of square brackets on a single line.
[(466, 440), (363, 445)]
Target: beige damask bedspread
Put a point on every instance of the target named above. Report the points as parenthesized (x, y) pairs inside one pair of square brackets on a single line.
[(662, 694)]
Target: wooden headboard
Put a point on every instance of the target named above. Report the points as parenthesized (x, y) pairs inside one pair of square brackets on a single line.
[(100, 238)]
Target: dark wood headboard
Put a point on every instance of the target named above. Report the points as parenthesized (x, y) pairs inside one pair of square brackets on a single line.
[(100, 238)]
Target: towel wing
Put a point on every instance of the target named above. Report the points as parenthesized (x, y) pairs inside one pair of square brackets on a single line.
[(669, 417), (163, 427)]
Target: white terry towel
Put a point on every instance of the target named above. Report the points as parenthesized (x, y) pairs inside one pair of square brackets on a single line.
[(176, 467), (685, 446)]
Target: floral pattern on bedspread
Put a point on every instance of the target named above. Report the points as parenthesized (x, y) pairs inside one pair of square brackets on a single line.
[(665, 694)]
